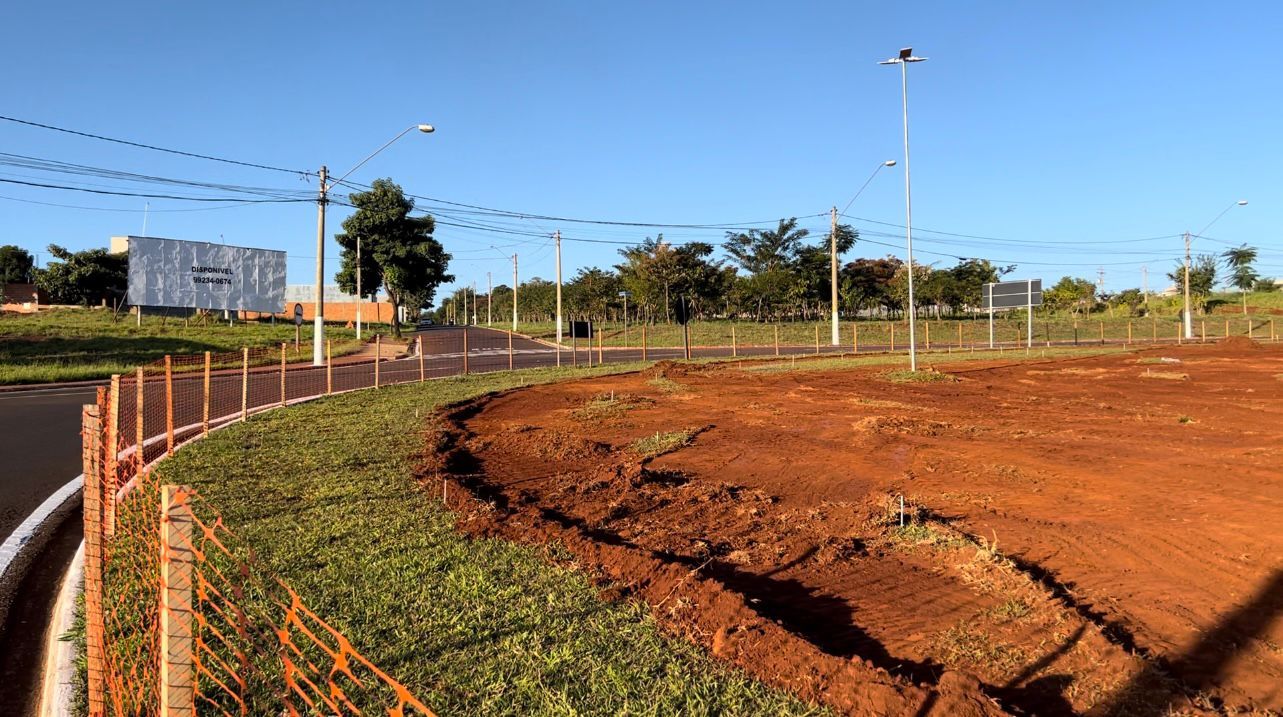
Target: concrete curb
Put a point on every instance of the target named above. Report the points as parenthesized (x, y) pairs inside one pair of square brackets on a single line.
[(26, 542), (58, 686)]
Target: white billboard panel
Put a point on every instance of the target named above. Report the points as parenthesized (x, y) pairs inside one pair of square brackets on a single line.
[(199, 275)]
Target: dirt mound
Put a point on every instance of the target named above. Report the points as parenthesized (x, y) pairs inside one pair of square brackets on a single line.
[(675, 369), (1239, 343)]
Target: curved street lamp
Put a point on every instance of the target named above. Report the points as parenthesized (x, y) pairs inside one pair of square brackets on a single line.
[(318, 320)]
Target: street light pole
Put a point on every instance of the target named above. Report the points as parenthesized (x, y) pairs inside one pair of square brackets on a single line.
[(489, 293), (906, 56), (318, 330), (359, 296), (514, 293), (1189, 320)]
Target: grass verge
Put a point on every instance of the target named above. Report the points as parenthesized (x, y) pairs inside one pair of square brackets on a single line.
[(327, 494)]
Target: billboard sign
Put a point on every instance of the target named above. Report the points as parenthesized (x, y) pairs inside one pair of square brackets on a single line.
[(200, 275), (1012, 295)]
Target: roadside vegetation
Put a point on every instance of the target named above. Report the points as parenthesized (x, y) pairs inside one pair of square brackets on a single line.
[(80, 344), (328, 496)]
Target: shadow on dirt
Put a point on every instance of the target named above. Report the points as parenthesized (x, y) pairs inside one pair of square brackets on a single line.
[(1203, 665)]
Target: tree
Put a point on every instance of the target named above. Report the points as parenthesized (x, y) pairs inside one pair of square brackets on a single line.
[(655, 272), (1070, 293), (769, 255), (1243, 275), (403, 256), (15, 265), (83, 277), (866, 283), (1202, 276)]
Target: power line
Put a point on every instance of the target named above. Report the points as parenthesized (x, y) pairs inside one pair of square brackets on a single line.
[(152, 147), (151, 196)]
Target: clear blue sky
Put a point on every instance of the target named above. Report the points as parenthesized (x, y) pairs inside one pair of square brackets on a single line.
[(1082, 126)]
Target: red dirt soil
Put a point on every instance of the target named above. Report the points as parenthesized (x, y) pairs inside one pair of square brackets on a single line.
[(1090, 535)]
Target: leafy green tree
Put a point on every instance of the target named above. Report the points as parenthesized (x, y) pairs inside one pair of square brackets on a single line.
[(770, 256), (866, 283), (1202, 277), (1133, 299), (592, 292), (403, 256), (15, 265), (83, 277), (1070, 293), (655, 273), (1243, 276)]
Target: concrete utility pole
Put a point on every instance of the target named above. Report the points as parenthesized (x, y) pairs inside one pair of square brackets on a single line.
[(514, 293), (359, 298), (833, 270), (1189, 320), (474, 303), (1144, 283), (489, 294), (318, 318), (557, 238)]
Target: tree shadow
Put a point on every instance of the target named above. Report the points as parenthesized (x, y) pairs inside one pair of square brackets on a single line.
[(1162, 684)]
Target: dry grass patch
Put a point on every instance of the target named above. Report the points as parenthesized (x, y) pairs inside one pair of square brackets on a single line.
[(928, 375), (1166, 375), (661, 443)]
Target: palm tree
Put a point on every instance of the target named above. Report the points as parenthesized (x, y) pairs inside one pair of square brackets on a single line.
[(1243, 275)]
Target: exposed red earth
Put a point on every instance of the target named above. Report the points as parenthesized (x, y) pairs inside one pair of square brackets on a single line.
[(1089, 535)]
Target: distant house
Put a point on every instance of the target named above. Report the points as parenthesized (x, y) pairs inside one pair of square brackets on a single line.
[(22, 298)]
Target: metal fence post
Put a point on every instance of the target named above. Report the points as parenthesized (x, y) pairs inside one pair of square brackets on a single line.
[(282, 373), (422, 374), (204, 414), (244, 383), (329, 369), (177, 624), (169, 405), (465, 351), (93, 491)]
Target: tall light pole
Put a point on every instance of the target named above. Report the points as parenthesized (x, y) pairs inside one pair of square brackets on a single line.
[(906, 56), (833, 245), (514, 285), (318, 321), (1189, 320), (489, 293)]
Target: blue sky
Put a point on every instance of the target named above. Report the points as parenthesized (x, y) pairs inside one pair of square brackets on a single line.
[(1069, 135)]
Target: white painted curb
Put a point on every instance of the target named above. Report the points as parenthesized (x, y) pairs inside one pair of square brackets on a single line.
[(58, 685)]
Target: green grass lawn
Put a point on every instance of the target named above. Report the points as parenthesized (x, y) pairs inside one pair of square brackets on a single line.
[(77, 344), (936, 333), (327, 496)]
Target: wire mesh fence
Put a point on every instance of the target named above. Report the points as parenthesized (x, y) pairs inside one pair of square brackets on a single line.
[(181, 618)]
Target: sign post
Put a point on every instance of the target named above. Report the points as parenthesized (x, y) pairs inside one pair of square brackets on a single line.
[(1023, 294)]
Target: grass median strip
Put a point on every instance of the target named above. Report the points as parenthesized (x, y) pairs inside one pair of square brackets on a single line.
[(326, 493)]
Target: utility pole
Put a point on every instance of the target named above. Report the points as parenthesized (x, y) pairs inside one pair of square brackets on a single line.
[(1189, 320), (359, 297), (1144, 283), (557, 238), (318, 318), (514, 293), (474, 303), (833, 269), (489, 294)]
